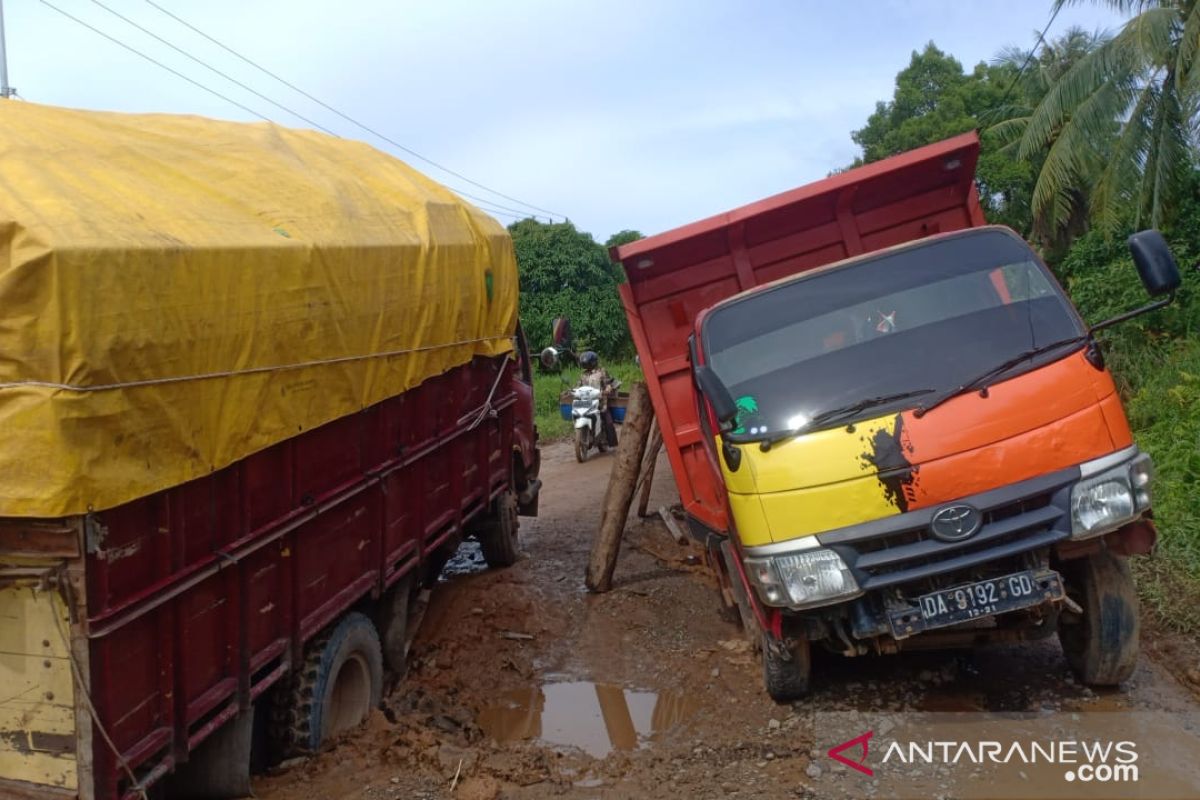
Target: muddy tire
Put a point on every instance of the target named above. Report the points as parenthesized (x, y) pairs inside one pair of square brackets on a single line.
[(391, 622), (498, 535), (1101, 645), (582, 443), (335, 689), (787, 669)]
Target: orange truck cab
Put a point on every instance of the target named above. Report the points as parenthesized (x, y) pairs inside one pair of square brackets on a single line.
[(890, 427)]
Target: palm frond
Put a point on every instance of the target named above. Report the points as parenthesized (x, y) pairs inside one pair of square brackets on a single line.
[(1007, 132), (1170, 153), (1111, 62), (1117, 183), (1120, 6), (1074, 155)]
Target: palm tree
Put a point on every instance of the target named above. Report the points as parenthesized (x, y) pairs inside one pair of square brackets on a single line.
[(1117, 126), (1035, 75)]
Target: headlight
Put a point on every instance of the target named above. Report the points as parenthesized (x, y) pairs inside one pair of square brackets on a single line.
[(802, 580), (1110, 499)]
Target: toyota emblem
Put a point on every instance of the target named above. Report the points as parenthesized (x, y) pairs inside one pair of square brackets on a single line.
[(955, 523)]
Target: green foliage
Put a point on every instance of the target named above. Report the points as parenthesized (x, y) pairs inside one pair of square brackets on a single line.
[(931, 102), (1155, 360), (1117, 124), (623, 237), (1164, 410), (547, 388), (934, 100), (1057, 218), (564, 272)]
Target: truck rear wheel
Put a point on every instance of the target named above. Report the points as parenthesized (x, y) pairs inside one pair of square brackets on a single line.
[(336, 687), (498, 535), (1101, 645), (787, 668), (582, 444)]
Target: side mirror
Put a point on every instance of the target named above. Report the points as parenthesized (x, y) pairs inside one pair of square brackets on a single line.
[(1155, 264), (712, 388), (550, 358)]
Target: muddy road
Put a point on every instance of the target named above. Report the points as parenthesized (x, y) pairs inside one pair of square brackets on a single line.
[(522, 685)]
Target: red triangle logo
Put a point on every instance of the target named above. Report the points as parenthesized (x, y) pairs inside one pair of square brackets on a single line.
[(835, 753)]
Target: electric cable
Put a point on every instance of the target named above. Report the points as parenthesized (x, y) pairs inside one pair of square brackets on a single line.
[(352, 120)]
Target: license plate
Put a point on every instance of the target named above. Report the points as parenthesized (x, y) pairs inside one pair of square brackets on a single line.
[(973, 600)]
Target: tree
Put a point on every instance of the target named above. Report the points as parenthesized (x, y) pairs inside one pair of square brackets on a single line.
[(1121, 119), (935, 99), (623, 237), (1034, 75), (564, 272), (928, 105)]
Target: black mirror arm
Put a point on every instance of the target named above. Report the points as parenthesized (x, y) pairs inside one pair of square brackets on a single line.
[(732, 454), (1137, 312)]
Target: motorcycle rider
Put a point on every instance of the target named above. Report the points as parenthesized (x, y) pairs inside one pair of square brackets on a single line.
[(597, 377)]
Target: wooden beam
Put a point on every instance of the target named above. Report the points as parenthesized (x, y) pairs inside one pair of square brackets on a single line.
[(621, 484), (646, 479)]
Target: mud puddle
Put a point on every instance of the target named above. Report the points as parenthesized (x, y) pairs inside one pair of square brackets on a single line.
[(596, 718)]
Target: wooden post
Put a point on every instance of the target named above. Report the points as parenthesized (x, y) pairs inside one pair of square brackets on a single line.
[(646, 479), (621, 484)]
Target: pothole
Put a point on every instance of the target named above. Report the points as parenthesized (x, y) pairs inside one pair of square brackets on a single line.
[(596, 718)]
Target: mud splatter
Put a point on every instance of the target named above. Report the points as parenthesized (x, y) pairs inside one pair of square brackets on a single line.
[(887, 455)]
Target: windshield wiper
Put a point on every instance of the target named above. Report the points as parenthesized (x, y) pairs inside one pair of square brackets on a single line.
[(841, 412), (980, 381)]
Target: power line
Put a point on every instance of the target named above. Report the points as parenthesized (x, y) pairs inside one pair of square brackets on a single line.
[(137, 52), (211, 68), (1041, 39), (515, 213), (350, 119)]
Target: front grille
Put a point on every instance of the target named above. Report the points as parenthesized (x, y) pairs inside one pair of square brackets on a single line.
[(1016, 519)]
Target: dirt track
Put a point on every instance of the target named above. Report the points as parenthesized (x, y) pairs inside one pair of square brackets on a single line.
[(525, 686)]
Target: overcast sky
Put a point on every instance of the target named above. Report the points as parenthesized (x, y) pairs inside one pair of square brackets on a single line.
[(641, 114)]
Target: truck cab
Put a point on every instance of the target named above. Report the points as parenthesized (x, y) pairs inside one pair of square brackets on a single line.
[(915, 446)]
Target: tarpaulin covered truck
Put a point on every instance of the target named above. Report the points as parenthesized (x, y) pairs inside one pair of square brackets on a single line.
[(889, 426), (255, 386)]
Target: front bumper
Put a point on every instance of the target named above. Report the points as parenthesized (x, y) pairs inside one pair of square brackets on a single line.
[(895, 560)]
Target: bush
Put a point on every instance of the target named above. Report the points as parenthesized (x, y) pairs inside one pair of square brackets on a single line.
[(564, 272), (1155, 360)]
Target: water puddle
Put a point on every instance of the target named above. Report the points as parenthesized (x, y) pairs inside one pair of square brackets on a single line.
[(594, 717)]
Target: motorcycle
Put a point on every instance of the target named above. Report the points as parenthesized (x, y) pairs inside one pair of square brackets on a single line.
[(589, 423)]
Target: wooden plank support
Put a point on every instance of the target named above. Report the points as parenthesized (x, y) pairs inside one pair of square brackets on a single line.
[(646, 479), (621, 484), (672, 525)]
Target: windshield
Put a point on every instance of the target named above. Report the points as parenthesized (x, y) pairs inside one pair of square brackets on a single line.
[(893, 328)]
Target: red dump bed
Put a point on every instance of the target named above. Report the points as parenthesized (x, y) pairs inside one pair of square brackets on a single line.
[(674, 276)]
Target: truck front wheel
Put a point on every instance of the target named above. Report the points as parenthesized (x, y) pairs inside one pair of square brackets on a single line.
[(1101, 644), (336, 687), (787, 668)]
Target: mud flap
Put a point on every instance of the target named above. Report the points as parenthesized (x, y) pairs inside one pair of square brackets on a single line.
[(219, 769)]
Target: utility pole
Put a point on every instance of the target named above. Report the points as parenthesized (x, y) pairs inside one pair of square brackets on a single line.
[(6, 91)]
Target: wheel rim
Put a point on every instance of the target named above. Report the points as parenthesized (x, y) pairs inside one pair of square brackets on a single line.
[(350, 699)]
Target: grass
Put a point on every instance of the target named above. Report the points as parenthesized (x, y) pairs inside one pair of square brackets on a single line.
[(547, 387), (1161, 383)]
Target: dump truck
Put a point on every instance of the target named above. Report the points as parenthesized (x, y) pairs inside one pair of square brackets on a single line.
[(889, 427), (256, 386)]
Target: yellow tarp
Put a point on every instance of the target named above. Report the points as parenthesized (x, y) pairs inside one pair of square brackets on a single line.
[(177, 293)]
